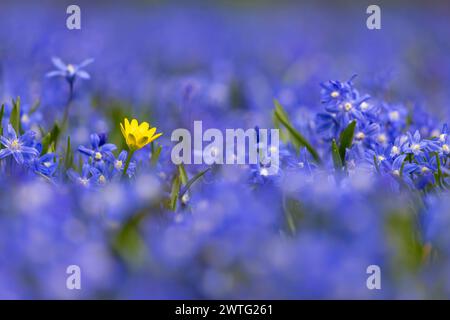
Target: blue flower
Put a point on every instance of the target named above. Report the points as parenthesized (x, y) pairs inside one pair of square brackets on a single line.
[(335, 92), (45, 165), (366, 133), (69, 71), (88, 175), (99, 151), (119, 163), (21, 148), (417, 146), (398, 146), (444, 142)]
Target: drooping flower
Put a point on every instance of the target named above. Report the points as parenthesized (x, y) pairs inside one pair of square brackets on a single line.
[(138, 135), (69, 71), (20, 147)]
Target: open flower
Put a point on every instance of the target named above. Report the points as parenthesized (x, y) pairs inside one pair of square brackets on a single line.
[(99, 149), (138, 135), (19, 147), (69, 71)]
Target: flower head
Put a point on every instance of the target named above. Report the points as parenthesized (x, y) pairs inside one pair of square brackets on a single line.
[(138, 135), (99, 150), (20, 148), (45, 165), (69, 71)]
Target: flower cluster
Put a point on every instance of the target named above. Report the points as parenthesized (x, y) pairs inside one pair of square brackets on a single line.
[(26, 152), (381, 137), (363, 179)]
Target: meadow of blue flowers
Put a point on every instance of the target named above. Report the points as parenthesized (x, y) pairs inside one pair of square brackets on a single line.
[(365, 154)]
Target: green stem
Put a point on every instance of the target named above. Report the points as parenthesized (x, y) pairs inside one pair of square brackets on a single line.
[(67, 107), (127, 164), (439, 170)]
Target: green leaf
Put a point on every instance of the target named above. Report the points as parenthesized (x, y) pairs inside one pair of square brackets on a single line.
[(56, 130), (183, 175), (46, 143), (191, 182), (50, 139), (337, 161), (296, 138), (346, 139), (35, 106), (155, 153), (68, 159), (403, 236), (128, 243), (438, 174), (2, 112), (15, 115), (174, 193)]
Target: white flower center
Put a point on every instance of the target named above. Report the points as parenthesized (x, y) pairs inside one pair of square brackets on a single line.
[(446, 148), (118, 164), (84, 181), (425, 169), (264, 172), (415, 147), (71, 69), (25, 118), (98, 156), (334, 94), (442, 137), (360, 136), (348, 106), (185, 198), (364, 106), (396, 172), (395, 151), (381, 158), (15, 145), (382, 138), (102, 179), (394, 115)]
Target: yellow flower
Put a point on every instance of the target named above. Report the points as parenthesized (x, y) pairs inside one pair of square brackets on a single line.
[(138, 135)]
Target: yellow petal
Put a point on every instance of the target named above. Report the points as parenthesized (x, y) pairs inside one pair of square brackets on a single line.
[(123, 131), (134, 124), (131, 140), (143, 141), (127, 125), (156, 136), (151, 132), (143, 127)]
